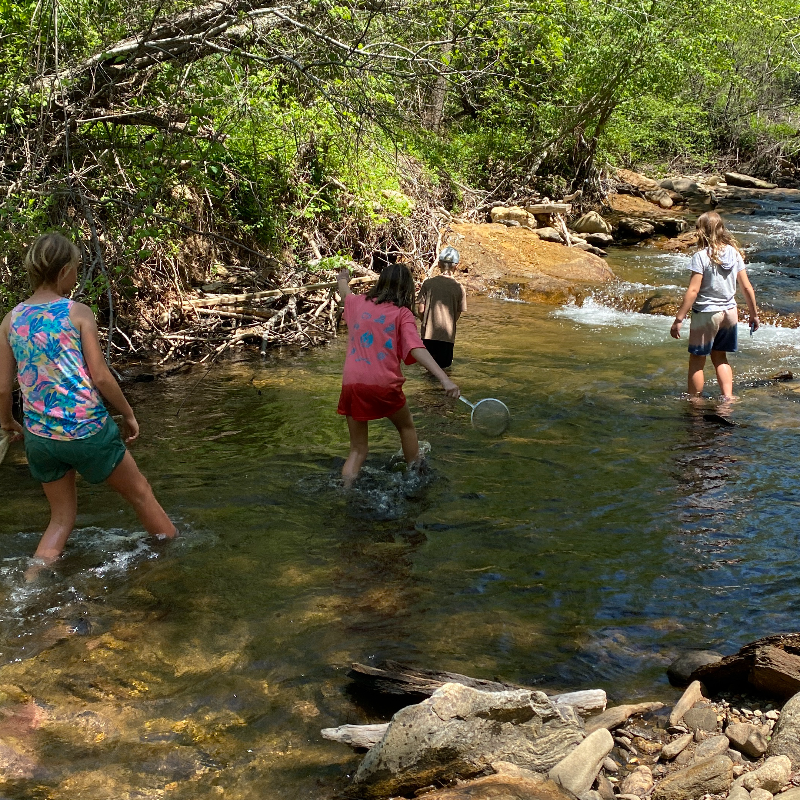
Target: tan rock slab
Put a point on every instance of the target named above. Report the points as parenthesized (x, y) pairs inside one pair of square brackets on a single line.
[(676, 746), (692, 695), (712, 776), (578, 770)]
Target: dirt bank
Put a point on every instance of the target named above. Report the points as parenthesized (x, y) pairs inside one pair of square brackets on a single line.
[(497, 257)]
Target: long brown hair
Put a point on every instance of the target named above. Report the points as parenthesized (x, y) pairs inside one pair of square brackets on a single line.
[(714, 236), (395, 285)]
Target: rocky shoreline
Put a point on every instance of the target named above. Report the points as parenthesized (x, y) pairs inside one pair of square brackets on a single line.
[(483, 742), (543, 252)]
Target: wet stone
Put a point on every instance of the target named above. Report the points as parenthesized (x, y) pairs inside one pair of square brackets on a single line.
[(704, 719)]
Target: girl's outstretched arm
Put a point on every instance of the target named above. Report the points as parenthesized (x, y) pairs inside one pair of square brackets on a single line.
[(426, 359), (343, 279), (99, 372), (695, 283), (749, 294), (8, 370)]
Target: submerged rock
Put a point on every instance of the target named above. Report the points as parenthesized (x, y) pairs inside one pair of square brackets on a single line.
[(680, 670), (459, 731)]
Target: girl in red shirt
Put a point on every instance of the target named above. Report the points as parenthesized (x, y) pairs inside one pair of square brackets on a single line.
[(382, 332)]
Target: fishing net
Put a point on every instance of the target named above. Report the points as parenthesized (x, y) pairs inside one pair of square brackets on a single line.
[(490, 416)]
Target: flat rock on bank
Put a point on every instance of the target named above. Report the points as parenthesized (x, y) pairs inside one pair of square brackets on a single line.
[(496, 256)]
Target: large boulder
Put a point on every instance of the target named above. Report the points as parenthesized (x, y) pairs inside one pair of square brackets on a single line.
[(632, 229), (772, 775), (747, 181), (786, 736), (684, 186), (712, 776), (460, 731), (661, 197), (591, 222)]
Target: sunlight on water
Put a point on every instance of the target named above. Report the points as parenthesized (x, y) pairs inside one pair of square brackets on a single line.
[(613, 526)]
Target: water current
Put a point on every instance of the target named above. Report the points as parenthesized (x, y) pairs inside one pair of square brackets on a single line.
[(612, 527)]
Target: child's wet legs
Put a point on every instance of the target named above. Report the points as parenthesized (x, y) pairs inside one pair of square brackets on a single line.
[(359, 447), (696, 379), (719, 358), (404, 422), (133, 486), (63, 499)]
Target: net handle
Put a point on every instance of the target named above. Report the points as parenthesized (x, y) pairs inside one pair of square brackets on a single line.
[(464, 400)]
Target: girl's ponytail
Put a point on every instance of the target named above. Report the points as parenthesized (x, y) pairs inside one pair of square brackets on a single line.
[(47, 256)]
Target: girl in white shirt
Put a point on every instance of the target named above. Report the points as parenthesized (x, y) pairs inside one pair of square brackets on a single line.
[(716, 269)]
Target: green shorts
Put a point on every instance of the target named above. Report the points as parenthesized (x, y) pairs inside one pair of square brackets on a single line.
[(94, 457)]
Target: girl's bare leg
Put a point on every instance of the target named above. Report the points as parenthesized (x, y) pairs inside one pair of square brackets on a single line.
[(404, 422), (696, 379), (133, 486), (359, 447), (719, 358), (63, 499)]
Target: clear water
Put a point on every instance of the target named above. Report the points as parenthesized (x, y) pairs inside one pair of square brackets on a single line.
[(609, 529)]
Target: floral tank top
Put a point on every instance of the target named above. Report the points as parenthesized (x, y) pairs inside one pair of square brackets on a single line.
[(58, 396)]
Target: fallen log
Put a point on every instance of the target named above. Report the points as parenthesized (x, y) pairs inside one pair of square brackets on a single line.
[(211, 301), (398, 682), (770, 665)]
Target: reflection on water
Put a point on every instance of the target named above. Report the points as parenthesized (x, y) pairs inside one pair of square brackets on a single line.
[(611, 527)]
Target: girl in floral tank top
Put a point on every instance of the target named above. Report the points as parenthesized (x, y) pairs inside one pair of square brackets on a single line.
[(50, 344)]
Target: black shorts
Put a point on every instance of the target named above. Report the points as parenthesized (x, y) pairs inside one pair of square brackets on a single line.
[(442, 352)]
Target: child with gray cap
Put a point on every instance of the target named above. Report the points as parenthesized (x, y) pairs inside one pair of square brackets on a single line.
[(441, 301)]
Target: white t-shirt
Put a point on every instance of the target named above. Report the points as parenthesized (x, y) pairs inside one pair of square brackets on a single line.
[(718, 289)]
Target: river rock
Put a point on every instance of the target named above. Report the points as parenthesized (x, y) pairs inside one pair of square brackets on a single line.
[(791, 794), (670, 226), (715, 746), (760, 794), (604, 787), (739, 793), (684, 186), (772, 775), (671, 749), (459, 731), (635, 229), (617, 715), (660, 197), (692, 695), (747, 738), (528, 786), (639, 782), (712, 776), (577, 771), (636, 180), (747, 181), (700, 719), (786, 734), (680, 670), (591, 222), (504, 214), (599, 239), (549, 235)]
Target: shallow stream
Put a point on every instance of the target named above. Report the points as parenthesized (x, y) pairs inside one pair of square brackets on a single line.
[(611, 528)]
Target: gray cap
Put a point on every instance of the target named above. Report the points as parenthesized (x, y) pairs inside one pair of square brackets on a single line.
[(449, 254)]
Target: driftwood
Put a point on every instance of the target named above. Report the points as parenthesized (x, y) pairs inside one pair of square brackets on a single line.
[(402, 683), (770, 665), (549, 208), (211, 301)]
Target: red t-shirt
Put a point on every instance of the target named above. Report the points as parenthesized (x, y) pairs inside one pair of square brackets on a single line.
[(381, 335)]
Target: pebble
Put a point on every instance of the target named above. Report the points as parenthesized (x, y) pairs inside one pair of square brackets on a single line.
[(609, 765), (757, 712), (773, 715)]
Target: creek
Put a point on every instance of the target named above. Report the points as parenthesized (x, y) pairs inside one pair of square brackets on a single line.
[(611, 528)]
